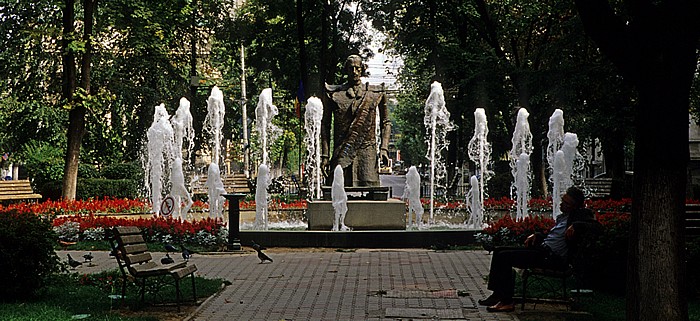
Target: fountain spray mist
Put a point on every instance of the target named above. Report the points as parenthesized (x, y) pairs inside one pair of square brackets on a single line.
[(411, 193), (214, 122), (261, 217), (312, 124), (520, 162), (437, 122), (480, 153), (160, 150), (339, 199), (264, 113)]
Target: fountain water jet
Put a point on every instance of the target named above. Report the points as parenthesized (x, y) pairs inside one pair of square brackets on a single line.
[(437, 122), (215, 188), (178, 190), (411, 193), (214, 122), (160, 151), (261, 217), (520, 162), (522, 185), (183, 129), (340, 200), (475, 205), (313, 116), (264, 113), (558, 181), (480, 153), (555, 135)]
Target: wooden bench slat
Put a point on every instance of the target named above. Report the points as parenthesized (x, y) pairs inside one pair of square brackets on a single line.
[(17, 190), (131, 239), (136, 248), (139, 258), (126, 230)]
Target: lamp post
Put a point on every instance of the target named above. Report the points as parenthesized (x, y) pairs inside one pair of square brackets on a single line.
[(234, 214)]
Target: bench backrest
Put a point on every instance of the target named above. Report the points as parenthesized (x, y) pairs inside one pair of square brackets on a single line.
[(692, 219), (131, 248), (598, 187)]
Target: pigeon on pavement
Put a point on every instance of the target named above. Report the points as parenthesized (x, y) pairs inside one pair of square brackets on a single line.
[(169, 248), (186, 254), (263, 257), (167, 259), (88, 257), (257, 246), (73, 263)]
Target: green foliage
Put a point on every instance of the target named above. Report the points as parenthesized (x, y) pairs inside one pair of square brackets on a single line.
[(27, 257), (88, 188), (130, 170), (43, 162), (72, 294)]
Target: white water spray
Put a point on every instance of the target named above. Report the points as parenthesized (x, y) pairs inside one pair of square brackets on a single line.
[(261, 217), (522, 185), (475, 205), (480, 153), (178, 190), (411, 193), (182, 126), (340, 200), (215, 188), (214, 122), (264, 113), (160, 150), (555, 135), (558, 181), (520, 162), (312, 124), (437, 122)]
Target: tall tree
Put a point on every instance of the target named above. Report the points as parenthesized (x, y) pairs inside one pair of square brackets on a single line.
[(76, 117), (656, 50)]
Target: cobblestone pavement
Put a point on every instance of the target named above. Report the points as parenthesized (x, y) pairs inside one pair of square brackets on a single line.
[(367, 284)]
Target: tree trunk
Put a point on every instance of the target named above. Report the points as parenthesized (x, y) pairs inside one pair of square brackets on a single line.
[(76, 117), (301, 35), (68, 57), (655, 50), (656, 266)]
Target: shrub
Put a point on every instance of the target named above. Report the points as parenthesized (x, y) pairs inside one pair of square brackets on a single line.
[(43, 162), (87, 171), (95, 188), (27, 256), (123, 171)]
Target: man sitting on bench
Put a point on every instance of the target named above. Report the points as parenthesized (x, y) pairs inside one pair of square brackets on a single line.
[(540, 251)]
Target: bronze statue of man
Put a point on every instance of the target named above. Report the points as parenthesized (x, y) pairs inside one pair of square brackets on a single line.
[(352, 108)]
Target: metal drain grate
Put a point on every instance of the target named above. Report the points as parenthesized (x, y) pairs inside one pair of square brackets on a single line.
[(414, 313), (451, 293)]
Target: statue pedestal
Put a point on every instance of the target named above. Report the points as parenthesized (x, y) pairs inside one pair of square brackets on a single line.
[(371, 193), (362, 215)]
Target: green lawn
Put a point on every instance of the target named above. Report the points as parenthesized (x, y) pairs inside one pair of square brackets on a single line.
[(73, 296), (598, 306)]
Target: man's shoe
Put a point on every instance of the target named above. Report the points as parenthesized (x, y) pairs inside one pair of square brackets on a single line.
[(491, 300), (501, 307)]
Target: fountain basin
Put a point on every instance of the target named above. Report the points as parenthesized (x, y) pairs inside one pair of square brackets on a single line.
[(361, 239), (362, 215)]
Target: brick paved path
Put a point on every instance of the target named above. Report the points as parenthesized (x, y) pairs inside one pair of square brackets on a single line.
[(369, 284)]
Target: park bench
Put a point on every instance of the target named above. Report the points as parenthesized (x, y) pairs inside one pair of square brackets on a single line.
[(134, 260), (554, 279), (692, 220), (236, 183), (17, 190), (598, 187)]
